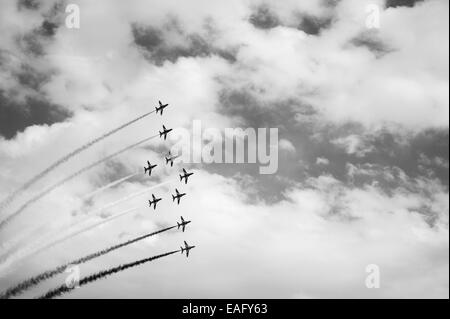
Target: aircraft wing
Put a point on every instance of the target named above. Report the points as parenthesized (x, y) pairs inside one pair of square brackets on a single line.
[(184, 171)]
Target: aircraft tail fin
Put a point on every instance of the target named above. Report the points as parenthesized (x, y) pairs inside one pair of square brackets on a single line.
[(173, 198), (181, 178), (178, 225)]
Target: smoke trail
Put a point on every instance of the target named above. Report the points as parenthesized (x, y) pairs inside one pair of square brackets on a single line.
[(123, 199), (78, 232), (64, 159), (27, 284), (102, 274), (110, 205), (112, 184), (65, 180), (31, 251), (8, 247)]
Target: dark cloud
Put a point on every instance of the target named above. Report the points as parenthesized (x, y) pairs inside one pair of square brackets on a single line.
[(264, 18), (330, 3), (26, 78), (244, 104), (16, 116), (252, 113), (48, 29), (371, 42), (389, 150), (391, 155), (29, 4), (314, 25), (154, 44), (35, 41), (30, 78), (148, 37), (401, 3)]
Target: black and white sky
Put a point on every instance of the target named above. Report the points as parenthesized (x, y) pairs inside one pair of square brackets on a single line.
[(363, 119)]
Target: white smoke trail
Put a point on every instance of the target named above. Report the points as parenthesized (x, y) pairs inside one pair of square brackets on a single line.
[(112, 184), (64, 159), (109, 205), (65, 180), (37, 247)]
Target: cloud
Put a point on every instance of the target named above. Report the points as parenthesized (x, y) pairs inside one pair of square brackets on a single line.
[(264, 18), (287, 146), (353, 144), (314, 25), (170, 43), (34, 111), (311, 250), (322, 161), (362, 115), (401, 3)]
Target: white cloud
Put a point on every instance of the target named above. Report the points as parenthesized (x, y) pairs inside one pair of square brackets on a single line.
[(353, 144), (291, 248), (322, 161), (287, 146)]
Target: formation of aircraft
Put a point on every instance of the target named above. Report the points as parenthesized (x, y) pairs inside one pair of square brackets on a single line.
[(183, 223), (170, 158), (164, 132), (154, 201), (178, 196), (149, 168), (186, 248), (185, 176), (161, 107)]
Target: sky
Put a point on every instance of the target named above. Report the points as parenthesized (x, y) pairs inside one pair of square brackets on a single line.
[(363, 145)]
